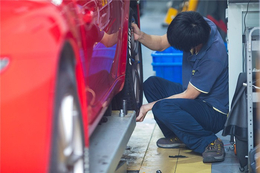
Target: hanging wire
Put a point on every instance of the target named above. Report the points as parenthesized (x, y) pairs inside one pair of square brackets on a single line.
[(243, 53)]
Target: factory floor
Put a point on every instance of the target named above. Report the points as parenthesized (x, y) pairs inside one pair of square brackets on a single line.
[(143, 156)]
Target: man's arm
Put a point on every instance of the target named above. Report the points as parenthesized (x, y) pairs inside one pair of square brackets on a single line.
[(189, 93), (153, 42)]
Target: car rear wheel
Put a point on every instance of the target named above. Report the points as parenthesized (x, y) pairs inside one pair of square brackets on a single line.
[(134, 69), (68, 140), (133, 88)]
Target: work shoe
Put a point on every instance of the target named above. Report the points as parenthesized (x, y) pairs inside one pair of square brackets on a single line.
[(170, 143), (214, 152)]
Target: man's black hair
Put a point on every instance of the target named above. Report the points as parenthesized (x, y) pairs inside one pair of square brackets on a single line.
[(187, 30)]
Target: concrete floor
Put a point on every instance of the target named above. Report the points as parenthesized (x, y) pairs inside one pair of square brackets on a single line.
[(142, 154)]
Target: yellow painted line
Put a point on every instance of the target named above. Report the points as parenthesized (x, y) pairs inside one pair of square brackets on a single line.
[(193, 163), (158, 158), (145, 156)]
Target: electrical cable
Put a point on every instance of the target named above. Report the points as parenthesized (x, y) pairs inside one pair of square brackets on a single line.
[(246, 15), (243, 53)]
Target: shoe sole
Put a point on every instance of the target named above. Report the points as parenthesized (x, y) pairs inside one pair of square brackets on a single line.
[(172, 146), (214, 159)]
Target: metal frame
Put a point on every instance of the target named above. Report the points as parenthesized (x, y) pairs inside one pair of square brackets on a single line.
[(236, 14), (250, 46)]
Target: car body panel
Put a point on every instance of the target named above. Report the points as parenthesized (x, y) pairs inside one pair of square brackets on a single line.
[(103, 72), (33, 34), (26, 86)]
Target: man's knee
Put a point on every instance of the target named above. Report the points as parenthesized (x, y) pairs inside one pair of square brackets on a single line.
[(161, 109), (156, 109), (149, 82)]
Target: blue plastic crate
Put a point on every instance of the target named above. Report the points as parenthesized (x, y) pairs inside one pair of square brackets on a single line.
[(168, 64)]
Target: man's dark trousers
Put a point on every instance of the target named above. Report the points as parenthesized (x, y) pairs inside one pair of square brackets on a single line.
[(194, 122)]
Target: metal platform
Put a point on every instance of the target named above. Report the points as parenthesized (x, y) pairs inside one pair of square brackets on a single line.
[(108, 142)]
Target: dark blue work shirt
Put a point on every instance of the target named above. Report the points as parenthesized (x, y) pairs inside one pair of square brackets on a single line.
[(208, 71)]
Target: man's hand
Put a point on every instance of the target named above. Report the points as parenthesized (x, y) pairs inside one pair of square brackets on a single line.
[(142, 114), (143, 111), (153, 42), (137, 32)]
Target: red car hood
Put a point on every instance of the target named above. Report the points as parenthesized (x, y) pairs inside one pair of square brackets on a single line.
[(25, 20)]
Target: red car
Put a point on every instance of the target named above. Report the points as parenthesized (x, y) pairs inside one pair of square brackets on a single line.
[(64, 64)]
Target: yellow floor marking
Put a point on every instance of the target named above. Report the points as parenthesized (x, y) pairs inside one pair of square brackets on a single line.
[(158, 158), (192, 164), (145, 156)]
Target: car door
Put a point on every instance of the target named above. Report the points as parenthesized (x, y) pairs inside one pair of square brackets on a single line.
[(98, 58)]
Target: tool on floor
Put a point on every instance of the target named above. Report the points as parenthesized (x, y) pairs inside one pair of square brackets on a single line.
[(178, 156)]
